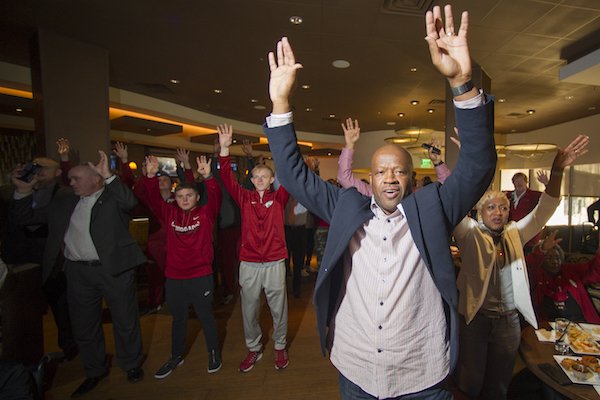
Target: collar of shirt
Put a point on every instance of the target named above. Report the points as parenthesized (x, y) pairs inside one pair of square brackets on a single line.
[(92, 197), (379, 213)]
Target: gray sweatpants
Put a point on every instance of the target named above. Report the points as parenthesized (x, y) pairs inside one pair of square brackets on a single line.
[(254, 278)]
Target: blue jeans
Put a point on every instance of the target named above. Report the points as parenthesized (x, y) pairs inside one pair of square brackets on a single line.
[(350, 391)]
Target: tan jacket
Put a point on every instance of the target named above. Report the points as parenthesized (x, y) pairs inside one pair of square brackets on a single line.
[(478, 255)]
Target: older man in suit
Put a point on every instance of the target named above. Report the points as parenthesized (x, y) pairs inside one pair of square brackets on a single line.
[(386, 294), (90, 228)]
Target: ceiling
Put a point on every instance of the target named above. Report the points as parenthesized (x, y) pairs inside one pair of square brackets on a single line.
[(222, 44)]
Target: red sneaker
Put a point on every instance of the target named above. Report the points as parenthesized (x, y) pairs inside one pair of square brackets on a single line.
[(248, 363), (281, 359)]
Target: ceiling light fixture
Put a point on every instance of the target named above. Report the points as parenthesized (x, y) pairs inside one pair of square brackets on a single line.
[(253, 100), (328, 153), (308, 109), (401, 139), (414, 130), (430, 110), (305, 86), (591, 108), (175, 81), (19, 110), (218, 91), (414, 102), (501, 100), (529, 150), (259, 107), (413, 69), (401, 115), (390, 123), (530, 112), (570, 97), (296, 20), (340, 64), (331, 115)]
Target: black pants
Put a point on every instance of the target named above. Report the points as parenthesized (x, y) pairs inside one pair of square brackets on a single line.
[(55, 289), (295, 237), (198, 292)]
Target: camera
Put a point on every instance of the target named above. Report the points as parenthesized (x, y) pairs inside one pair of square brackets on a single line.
[(29, 171), (434, 149)]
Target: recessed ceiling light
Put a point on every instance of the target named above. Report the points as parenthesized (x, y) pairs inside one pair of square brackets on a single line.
[(569, 97), (296, 20), (328, 153), (414, 102), (19, 110), (253, 100), (234, 140), (148, 129), (401, 115), (259, 107), (530, 112), (591, 108), (340, 64), (501, 100), (175, 81), (218, 91), (308, 109), (430, 110), (331, 115), (513, 130), (305, 86), (413, 69), (391, 123)]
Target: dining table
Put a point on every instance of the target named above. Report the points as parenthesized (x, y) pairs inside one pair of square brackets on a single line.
[(535, 353)]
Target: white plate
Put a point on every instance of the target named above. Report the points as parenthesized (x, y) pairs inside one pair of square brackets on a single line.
[(593, 329), (594, 380)]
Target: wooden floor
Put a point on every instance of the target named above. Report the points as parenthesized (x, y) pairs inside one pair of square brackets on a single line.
[(308, 376)]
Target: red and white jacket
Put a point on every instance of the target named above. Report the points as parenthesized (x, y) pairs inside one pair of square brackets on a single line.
[(189, 233), (263, 236)]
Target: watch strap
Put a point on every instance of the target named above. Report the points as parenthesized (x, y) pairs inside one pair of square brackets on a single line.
[(462, 89)]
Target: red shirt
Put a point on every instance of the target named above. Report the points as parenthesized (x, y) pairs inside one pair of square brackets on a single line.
[(526, 204), (189, 233), (263, 237), (572, 278)]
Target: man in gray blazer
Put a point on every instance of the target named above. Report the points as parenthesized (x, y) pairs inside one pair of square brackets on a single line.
[(90, 228), (386, 294)]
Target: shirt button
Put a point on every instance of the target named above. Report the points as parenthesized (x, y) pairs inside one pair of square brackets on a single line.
[(379, 350), (381, 303), (384, 238), (380, 327), (388, 220)]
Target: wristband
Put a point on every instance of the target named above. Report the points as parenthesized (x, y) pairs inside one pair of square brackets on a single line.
[(438, 164), (462, 89)]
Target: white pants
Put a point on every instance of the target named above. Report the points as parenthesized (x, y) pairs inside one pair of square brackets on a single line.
[(270, 277)]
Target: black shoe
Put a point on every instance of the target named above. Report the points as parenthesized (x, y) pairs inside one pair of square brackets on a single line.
[(135, 375), (87, 385), (70, 352)]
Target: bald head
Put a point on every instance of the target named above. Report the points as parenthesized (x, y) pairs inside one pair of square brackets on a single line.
[(391, 176), (84, 180)]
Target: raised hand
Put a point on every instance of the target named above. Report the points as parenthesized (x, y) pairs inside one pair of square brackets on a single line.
[(435, 158), (183, 156), (101, 168), (576, 148), (551, 241), (120, 151), (283, 76), (151, 166), (542, 177), (449, 51), (351, 132), (225, 138), (63, 147), (247, 147), (455, 140), (203, 166)]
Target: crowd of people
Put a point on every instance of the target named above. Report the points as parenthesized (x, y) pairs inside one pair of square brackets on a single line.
[(385, 273)]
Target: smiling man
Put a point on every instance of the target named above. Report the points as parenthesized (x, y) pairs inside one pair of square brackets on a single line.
[(385, 295)]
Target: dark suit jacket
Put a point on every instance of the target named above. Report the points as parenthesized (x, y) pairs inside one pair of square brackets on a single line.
[(432, 212), (109, 227)]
